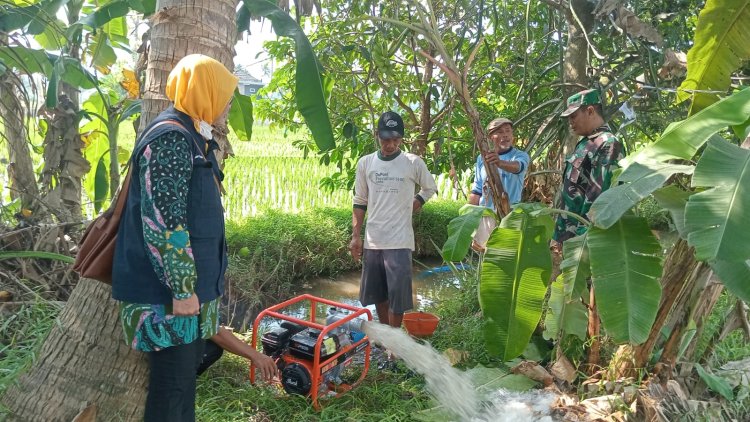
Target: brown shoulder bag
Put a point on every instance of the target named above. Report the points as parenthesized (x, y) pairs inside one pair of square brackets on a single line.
[(96, 250)]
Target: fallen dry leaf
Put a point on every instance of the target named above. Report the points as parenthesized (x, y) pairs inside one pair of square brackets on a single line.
[(455, 356), (533, 371)]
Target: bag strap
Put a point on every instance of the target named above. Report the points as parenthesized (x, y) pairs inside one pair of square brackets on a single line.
[(216, 179), (122, 194)]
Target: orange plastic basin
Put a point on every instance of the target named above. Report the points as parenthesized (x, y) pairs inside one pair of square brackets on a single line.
[(420, 324)]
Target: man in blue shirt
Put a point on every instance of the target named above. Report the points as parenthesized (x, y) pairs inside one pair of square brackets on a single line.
[(512, 164)]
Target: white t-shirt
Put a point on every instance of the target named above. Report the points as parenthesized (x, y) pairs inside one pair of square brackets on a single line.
[(387, 188)]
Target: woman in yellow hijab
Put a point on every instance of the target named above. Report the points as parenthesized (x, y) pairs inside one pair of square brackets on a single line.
[(170, 256), (202, 88)]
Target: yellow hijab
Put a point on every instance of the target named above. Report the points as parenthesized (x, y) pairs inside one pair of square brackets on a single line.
[(201, 87)]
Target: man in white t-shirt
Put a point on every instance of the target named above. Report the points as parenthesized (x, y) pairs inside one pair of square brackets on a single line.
[(384, 188)]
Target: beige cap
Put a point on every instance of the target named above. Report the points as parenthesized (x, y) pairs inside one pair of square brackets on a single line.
[(496, 123)]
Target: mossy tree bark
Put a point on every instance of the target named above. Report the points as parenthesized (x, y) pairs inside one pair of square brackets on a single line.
[(20, 168)]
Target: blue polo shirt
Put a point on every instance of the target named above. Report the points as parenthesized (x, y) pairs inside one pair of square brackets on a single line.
[(513, 183)]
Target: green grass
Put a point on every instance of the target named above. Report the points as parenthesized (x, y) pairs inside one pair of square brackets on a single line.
[(225, 394), (734, 347), (461, 322), (21, 335)]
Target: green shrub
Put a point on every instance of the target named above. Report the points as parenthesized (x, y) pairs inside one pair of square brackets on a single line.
[(461, 320), (431, 226), (658, 218), (273, 253)]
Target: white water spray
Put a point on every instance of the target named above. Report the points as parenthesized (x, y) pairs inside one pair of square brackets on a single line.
[(449, 386), (453, 389)]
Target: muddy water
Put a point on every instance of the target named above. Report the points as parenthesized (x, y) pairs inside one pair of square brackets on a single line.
[(430, 284)]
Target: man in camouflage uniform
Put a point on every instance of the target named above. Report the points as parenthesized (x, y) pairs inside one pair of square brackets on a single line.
[(588, 171)]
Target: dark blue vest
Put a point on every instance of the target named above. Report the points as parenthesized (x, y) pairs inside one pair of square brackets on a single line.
[(133, 277)]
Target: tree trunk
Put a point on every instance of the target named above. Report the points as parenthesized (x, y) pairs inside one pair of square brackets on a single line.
[(593, 358), (680, 263), (499, 197), (22, 179), (575, 59), (64, 164), (425, 119), (180, 28), (682, 311), (83, 361), (703, 308)]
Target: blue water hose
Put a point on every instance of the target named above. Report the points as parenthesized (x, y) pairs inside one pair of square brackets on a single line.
[(445, 269)]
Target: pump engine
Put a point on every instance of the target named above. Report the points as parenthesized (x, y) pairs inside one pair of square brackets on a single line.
[(293, 347)]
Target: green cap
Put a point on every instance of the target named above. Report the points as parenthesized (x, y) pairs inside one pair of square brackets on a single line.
[(585, 97)]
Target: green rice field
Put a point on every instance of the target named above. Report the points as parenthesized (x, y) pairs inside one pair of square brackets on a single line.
[(269, 173)]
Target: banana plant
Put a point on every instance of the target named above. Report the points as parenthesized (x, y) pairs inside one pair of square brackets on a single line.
[(619, 252), (106, 111), (310, 81), (461, 229), (717, 51), (515, 272), (646, 170)]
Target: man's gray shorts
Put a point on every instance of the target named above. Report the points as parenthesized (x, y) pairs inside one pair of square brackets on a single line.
[(386, 275)]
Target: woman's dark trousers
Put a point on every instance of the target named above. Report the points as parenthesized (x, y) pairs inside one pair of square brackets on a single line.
[(171, 391)]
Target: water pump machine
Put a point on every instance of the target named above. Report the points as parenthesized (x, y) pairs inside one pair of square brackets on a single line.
[(312, 356)]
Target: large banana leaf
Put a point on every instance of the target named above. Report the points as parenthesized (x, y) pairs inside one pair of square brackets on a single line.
[(717, 219), (625, 269), (515, 271), (674, 200), (311, 100), (460, 231), (27, 60), (719, 48), (735, 276), (565, 313), (639, 180), (37, 16), (105, 13), (576, 266), (539, 214), (54, 67), (683, 139)]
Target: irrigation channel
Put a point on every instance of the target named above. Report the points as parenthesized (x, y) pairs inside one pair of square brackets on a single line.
[(461, 396)]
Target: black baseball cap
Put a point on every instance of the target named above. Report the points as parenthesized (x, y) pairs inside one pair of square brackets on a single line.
[(390, 125)]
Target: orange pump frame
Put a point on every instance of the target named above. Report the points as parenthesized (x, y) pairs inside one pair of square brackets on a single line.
[(318, 368)]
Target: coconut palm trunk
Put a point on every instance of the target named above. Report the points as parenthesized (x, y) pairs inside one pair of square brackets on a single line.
[(84, 362)]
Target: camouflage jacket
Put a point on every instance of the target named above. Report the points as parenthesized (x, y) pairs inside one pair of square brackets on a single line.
[(588, 173)]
